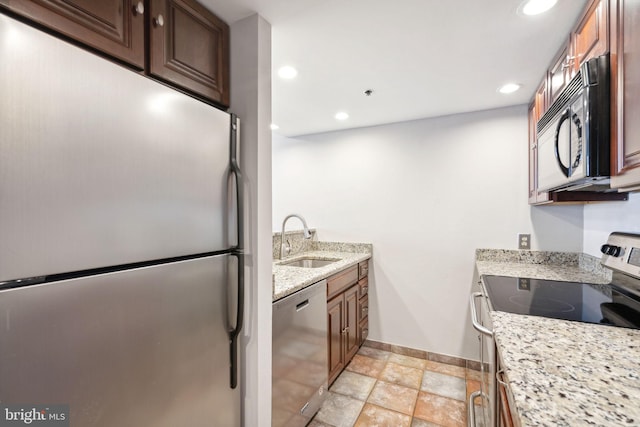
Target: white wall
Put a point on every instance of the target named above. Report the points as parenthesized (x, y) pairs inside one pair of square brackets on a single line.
[(251, 100), (426, 193), (601, 219)]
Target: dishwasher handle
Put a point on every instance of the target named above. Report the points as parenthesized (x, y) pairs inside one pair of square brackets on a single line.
[(474, 315), (301, 306)]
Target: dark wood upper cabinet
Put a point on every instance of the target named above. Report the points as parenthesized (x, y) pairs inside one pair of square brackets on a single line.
[(177, 41), (559, 73), (591, 37), (599, 30), (115, 27), (535, 197), (189, 47), (540, 100), (625, 81), (533, 154)]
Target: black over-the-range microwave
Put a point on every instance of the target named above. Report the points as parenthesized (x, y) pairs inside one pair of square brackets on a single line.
[(574, 134)]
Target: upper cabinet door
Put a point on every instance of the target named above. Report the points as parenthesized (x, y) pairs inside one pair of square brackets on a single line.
[(559, 74), (189, 47), (591, 37), (115, 27), (625, 101)]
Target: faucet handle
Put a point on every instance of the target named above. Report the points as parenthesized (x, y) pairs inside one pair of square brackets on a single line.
[(285, 248)]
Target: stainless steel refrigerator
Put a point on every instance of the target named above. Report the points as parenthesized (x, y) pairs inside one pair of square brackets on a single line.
[(121, 281)]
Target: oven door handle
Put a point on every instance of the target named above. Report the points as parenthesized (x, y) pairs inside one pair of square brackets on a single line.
[(471, 413), (474, 315)]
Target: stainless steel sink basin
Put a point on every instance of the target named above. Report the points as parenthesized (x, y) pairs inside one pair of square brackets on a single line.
[(309, 262)]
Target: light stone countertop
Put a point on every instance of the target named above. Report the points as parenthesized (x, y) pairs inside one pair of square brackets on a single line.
[(564, 373), (288, 280), (564, 273)]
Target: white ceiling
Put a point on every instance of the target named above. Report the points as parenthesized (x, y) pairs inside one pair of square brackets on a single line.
[(422, 58)]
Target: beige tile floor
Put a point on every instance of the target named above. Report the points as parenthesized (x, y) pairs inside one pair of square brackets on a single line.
[(380, 388)]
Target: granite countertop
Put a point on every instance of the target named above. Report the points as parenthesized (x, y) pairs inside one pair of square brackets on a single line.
[(564, 373), (563, 266), (287, 279)]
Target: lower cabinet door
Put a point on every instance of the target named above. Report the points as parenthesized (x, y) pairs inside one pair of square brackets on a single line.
[(335, 326), (352, 317)]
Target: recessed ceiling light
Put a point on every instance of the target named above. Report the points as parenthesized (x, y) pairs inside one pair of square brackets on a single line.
[(287, 72), (274, 126), (341, 115), (509, 88), (536, 7)]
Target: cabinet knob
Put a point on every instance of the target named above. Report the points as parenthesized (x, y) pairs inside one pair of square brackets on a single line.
[(158, 21), (138, 8)]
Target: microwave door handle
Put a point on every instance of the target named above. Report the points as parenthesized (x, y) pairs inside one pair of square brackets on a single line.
[(575, 162), (563, 168)]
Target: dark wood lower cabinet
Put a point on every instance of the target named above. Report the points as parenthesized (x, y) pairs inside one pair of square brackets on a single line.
[(347, 316), (343, 323), (351, 317), (335, 316), (363, 309), (506, 416)]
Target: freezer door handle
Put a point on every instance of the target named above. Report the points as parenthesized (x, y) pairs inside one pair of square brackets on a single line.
[(235, 331)]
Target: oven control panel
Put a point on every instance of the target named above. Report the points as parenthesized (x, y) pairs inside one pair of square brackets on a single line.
[(622, 253)]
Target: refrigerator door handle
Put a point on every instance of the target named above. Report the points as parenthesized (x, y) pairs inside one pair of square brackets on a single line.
[(237, 173), (238, 253), (235, 332)]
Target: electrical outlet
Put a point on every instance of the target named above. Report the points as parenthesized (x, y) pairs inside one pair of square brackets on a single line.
[(524, 241), (524, 284)]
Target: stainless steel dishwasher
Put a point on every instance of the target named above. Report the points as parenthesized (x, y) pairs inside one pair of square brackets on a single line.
[(300, 365)]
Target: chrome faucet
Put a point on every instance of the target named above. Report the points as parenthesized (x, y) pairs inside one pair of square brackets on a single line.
[(285, 246)]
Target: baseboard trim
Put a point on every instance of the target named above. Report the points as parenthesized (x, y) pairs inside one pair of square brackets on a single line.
[(426, 355)]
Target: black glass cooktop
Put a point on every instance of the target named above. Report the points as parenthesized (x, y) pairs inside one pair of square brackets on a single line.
[(606, 304)]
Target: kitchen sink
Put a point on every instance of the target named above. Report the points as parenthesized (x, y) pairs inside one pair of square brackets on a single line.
[(309, 262)]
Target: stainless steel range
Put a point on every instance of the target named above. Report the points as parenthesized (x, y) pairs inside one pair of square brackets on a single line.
[(616, 304)]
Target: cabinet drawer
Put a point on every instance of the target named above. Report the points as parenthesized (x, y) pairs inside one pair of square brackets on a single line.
[(364, 287), (341, 281), (364, 329), (364, 307), (363, 269)]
